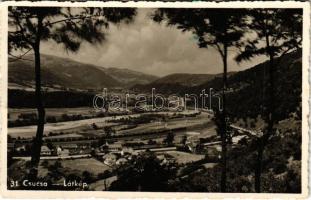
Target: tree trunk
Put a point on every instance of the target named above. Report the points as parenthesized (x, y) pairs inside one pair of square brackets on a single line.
[(37, 143), (271, 95), (223, 182), (269, 117), (258, 166)]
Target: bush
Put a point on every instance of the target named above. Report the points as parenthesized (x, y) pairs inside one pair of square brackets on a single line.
[(104, 175), (45, 163)]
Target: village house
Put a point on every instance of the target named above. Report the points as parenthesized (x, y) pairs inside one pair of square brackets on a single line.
[(69, 146), (58, 150), (20, 148), (65, 152), (121, 161), (110, 159), (115, 147), (46, 151), (62, 152), (126, 150)]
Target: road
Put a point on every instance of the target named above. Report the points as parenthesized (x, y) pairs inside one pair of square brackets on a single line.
[(54, 157)]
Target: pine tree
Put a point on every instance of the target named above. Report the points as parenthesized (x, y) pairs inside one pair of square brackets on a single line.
[(29, 26)]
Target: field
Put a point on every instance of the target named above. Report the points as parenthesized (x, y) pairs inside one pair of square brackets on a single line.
[(171, 124), (69, 127), (183, 157), (102, 184), (83, 128), (78, 166)]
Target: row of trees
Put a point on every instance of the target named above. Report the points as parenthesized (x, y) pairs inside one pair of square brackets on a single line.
[(254, 32)]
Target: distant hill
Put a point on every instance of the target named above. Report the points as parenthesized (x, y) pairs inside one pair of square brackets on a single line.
[(247, 97), (246, 94), (177, 82), (163, 88), (68, 73), (129, 77), (185, 79)]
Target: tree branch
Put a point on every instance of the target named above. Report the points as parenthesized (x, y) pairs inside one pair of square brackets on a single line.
[(67, 19), (219, 49), (20, 57), (20, 26), (285, 52)]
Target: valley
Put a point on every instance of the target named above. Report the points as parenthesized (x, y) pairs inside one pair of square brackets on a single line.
[(77, 136)]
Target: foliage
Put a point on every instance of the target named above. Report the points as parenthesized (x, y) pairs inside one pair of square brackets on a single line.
[(144, 173), (281, 30), (66, 26), (169, 140), (281, 169)]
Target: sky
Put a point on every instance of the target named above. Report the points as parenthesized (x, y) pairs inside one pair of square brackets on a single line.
[(151, 48)]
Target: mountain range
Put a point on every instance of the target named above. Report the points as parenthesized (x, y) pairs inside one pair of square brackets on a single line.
[(178, 82), (67, 73), (246, 97), (57, 72)]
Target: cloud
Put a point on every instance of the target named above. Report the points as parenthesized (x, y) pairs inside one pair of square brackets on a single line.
[(151, 48)]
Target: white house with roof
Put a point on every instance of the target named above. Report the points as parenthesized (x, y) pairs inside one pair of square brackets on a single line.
[(69, 146), (45, 151), (114, 148), (121, 161), (21, 148), (110, 159), (62, 152)]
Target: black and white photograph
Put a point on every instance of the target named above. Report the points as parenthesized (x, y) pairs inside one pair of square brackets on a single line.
[(156, 99)]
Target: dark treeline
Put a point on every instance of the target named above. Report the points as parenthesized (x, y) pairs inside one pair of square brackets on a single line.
[(57, 99)]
